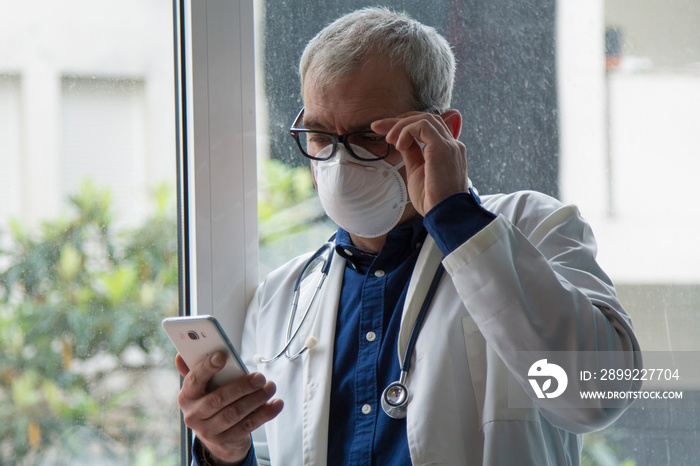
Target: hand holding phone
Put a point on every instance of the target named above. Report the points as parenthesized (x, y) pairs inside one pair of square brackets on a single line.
[(221, 418), (196, 337)]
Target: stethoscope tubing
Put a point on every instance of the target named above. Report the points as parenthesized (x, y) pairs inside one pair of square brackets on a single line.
[(395, 396), (418, 324), (291, 334), (395, 409)]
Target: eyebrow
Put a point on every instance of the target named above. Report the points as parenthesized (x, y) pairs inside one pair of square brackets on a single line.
[(314, 125)]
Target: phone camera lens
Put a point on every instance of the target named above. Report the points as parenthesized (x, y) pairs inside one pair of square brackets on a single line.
[(193, 335)]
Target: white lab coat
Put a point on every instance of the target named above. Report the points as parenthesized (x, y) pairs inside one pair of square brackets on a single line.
[(527, 282)]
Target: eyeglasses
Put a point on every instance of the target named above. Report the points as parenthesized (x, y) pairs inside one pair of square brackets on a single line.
[(311, 142)]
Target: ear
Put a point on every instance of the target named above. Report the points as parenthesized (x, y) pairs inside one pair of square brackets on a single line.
[(453, 119)]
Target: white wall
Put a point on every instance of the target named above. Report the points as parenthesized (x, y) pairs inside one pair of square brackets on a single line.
[(9, 145), (581, 93), (43, 43), (639, 196), (666, 32), (652, 238)]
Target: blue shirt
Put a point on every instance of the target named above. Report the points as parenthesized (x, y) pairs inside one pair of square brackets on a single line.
[(365, 360)]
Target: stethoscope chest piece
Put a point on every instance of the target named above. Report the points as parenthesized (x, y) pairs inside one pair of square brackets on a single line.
[(395, 400)]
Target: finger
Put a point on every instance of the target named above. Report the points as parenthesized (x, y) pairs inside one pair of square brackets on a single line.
[(392, 127), (237, 412), (227, 416), (384, 125), (237, 438), (209, 405), (181, 366), (257, 418), (195, 383), (436, 119), (387, 122), (405, 135)]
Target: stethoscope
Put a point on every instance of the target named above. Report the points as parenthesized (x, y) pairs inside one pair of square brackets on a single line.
[(395, 396), (323, 256)]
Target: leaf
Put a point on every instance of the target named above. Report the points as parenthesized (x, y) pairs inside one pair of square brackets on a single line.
[(69, 263), (119, 282)]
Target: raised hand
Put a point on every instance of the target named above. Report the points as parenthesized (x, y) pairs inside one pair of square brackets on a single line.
[(436, 161)]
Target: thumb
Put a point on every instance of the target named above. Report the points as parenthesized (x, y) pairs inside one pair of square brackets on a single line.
[(181, 365)]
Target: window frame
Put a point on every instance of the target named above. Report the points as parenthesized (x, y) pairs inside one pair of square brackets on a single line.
[(217, 167), (217, 174)]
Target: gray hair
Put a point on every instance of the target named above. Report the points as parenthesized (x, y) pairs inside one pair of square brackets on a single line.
[(345, 44)]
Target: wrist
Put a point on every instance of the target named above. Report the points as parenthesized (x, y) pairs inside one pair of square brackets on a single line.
[(212, 460), (456, 219)]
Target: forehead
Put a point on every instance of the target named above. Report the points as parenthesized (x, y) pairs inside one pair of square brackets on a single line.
[(376, 90)]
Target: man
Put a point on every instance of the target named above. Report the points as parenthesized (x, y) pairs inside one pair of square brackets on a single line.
[(521, 277)]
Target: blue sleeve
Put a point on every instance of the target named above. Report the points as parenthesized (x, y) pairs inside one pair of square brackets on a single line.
[(199, 459), (455, 220)]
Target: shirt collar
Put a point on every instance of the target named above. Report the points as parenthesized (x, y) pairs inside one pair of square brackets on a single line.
[(400, 243)]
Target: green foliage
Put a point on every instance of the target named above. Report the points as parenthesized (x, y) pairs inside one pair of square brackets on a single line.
[(601, 449), (76, 299), (287, 202), (282, 186), (291, 218)]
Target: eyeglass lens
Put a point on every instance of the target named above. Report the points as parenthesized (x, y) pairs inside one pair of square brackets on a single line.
[(312, 144)]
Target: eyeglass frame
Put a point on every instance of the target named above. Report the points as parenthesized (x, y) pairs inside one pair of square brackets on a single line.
[(295, 131)]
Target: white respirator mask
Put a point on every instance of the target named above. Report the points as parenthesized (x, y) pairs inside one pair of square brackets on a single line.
[(363, 198)]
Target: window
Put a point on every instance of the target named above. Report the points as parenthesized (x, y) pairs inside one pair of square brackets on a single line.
[(510, 146), (88, 237), (542, 112), (88, 263), (628, 153), (104, 137)]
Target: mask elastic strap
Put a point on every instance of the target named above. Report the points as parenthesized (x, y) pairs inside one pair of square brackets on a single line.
[(399, 165)]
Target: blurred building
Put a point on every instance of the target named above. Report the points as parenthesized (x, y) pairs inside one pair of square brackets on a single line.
[(86, 91)]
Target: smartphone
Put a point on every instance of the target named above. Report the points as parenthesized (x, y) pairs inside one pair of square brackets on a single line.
[(195, 337)]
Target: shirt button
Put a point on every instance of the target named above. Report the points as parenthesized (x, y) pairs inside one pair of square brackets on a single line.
[(371, 336), (379, 273), (348, 252), (366, 409)]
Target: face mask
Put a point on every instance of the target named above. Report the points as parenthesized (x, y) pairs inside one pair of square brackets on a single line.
[(363, 198)]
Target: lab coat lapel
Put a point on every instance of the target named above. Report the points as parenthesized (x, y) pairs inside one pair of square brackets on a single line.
[(318, 367), (428, 261)]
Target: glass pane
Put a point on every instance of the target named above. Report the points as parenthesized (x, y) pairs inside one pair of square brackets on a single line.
[(639, 74), (88, 237), (513, 147), (545, 109), (291, 219)]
